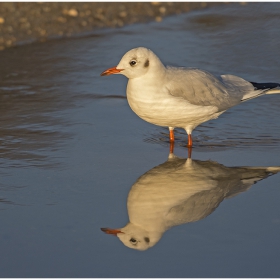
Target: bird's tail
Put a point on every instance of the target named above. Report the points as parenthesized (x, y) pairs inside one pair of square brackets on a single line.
[(270, 88), (273, 91), (270, 169), (260, 89), (273, 169)]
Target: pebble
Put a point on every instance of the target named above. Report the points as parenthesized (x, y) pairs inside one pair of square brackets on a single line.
[(162, 10), (25, 25), (46, 9), (99, 16), (123, 14), (61, 19), (73, 13), (9, 42), (2, 20), (10, 29), (43, 32), (99, 10), (158, 19), (23, 20)]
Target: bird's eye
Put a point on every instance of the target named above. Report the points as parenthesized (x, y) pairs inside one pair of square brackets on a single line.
[(133, 241), (132, 62)]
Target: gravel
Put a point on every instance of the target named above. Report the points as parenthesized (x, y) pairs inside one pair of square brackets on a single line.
[(22, 23)]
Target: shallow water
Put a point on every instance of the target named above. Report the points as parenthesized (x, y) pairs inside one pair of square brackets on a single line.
[(71, 150)]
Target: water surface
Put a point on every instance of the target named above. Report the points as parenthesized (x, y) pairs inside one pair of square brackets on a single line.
[(71, 150)]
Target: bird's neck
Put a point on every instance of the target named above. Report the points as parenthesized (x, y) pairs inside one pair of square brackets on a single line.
[(153, 78)]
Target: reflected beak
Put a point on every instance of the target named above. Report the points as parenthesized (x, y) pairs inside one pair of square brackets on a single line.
[(111, 231), (111, 71)]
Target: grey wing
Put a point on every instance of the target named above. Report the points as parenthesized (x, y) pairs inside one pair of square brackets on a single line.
[(204, 89), (195, 208)]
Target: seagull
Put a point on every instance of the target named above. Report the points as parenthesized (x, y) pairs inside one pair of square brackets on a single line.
[(181, 97), (180, 191)]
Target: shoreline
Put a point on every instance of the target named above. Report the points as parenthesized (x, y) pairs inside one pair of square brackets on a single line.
[(22, 23)]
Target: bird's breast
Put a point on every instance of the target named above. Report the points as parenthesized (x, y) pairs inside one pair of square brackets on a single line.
[(157, 106)]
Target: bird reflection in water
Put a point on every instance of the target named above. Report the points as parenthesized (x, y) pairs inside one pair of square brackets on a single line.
[(180, 191)]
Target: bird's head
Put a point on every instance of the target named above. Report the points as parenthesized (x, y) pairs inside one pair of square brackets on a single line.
[(135, 237), (135, 63)]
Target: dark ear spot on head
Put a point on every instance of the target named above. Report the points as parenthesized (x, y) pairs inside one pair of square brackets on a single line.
[(147, 239), (147, 63)]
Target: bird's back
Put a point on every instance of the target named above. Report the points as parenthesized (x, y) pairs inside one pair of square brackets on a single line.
[(201, 88)]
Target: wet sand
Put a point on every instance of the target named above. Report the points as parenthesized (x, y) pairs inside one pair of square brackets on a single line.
[(27, 22)]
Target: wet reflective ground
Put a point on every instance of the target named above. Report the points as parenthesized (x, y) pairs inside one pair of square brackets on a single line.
[(73, 153)]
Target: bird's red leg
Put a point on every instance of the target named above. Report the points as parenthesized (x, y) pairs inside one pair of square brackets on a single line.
[(171, 135), (189, 141), (189, 145), (172, 140), (189, 152), (171, 147)]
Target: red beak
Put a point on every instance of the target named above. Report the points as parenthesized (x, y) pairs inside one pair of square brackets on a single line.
[(111, 231), (111, 71)]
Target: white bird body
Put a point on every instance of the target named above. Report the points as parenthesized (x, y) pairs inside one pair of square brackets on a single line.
[(181, 97), (157, 105)]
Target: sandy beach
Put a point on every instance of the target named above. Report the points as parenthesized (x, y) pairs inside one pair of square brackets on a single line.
[(22, 23)]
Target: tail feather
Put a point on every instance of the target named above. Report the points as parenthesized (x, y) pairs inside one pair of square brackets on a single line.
[(270, 169), (260, 89), (273, 91), (271, 88), (273, 169)]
